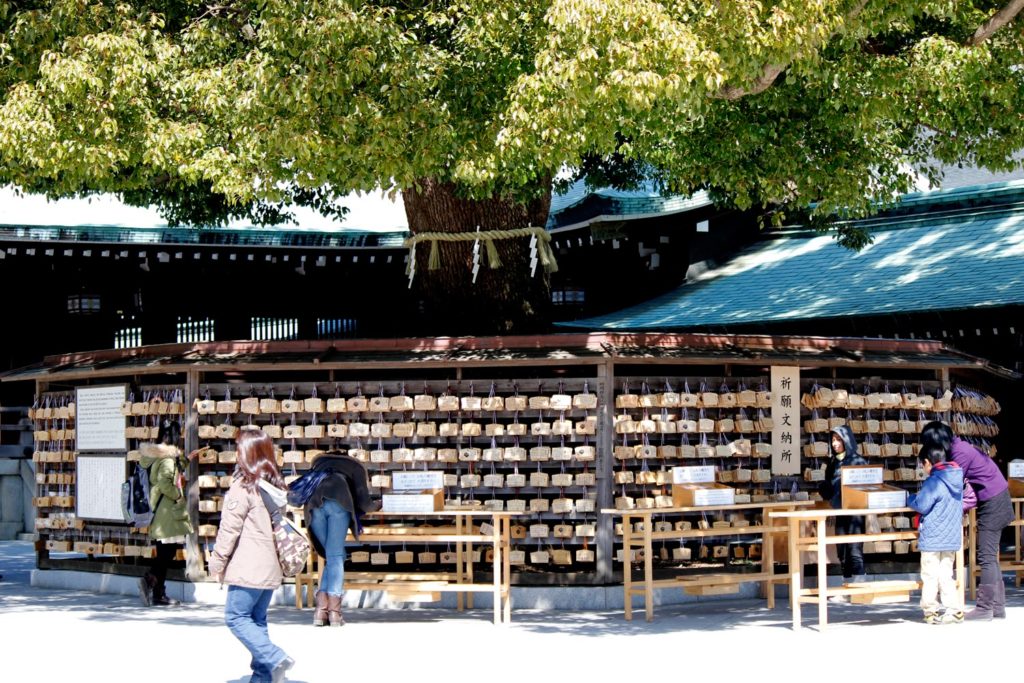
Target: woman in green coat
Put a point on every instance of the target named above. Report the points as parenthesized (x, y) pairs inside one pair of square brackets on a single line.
[(167, 498)]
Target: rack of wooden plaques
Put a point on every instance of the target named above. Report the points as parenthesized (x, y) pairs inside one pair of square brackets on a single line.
[(528, 447), (55, 456)]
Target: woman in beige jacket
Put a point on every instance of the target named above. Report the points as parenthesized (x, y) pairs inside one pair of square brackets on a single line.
[(245, 557)]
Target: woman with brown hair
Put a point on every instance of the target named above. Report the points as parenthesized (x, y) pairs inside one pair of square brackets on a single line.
[(245, 557)]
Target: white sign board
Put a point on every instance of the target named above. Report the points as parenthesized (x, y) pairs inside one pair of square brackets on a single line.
[(1016, 469), (854, 476), (786, 420), (99, 424), (407, 503), (722, 496), (98, 480), (883, 500), (693, 475), (416, 480)]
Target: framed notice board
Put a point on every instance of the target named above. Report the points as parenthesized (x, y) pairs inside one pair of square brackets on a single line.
[(98, 479), (99, 424)]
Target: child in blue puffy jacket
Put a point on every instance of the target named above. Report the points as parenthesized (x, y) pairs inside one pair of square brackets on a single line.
[(940, 503)]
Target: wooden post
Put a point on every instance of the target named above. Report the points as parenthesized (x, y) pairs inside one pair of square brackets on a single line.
[(648, 567), (506, 580), (768, 556), (195, 565), (822, 574), (605, 500), (627, 566), (42, 554), (496, 531), (795, 580)]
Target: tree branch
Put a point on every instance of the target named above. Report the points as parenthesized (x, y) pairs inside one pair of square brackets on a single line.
[(998, 20), (771, 71)]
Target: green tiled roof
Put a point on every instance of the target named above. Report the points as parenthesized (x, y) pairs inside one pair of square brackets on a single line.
[(939, 260)]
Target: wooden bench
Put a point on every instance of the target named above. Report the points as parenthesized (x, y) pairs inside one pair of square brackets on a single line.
[(866, 593), (427, 586), (700, 584)]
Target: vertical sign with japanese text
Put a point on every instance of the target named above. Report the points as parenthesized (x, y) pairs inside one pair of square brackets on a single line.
[(786, 419)]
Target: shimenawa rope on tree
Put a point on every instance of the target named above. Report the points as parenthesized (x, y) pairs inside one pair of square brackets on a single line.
[(544, 251)]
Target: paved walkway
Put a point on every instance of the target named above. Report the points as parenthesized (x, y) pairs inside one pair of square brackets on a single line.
[(64, 636)]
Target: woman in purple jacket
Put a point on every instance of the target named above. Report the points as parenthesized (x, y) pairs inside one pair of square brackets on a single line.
[(994, 513)]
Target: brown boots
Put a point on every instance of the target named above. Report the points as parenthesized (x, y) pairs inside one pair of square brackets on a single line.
[(320, 614), (334, 610), (328, 610)]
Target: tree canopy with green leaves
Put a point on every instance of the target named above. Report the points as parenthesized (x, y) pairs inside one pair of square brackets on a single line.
[(212, 109)]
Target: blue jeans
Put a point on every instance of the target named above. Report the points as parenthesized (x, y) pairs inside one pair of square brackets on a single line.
[(330, 525), (245, 613)]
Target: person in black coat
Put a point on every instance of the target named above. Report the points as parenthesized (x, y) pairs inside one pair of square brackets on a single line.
[(844, 453), (334, 508)]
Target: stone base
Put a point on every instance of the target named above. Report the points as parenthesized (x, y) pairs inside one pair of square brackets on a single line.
[(587, 598)]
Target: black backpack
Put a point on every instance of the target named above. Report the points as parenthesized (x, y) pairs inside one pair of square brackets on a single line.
[(135, 498)]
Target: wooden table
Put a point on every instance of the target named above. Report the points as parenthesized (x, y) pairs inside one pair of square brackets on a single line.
[(820, 541), (462, 531), (1015, 565), (711, 582)]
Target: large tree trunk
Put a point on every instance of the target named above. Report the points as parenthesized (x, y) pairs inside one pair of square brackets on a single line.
[(505, 300)]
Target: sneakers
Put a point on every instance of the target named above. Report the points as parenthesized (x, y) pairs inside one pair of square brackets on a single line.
[(279, 672), (951, 617)]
